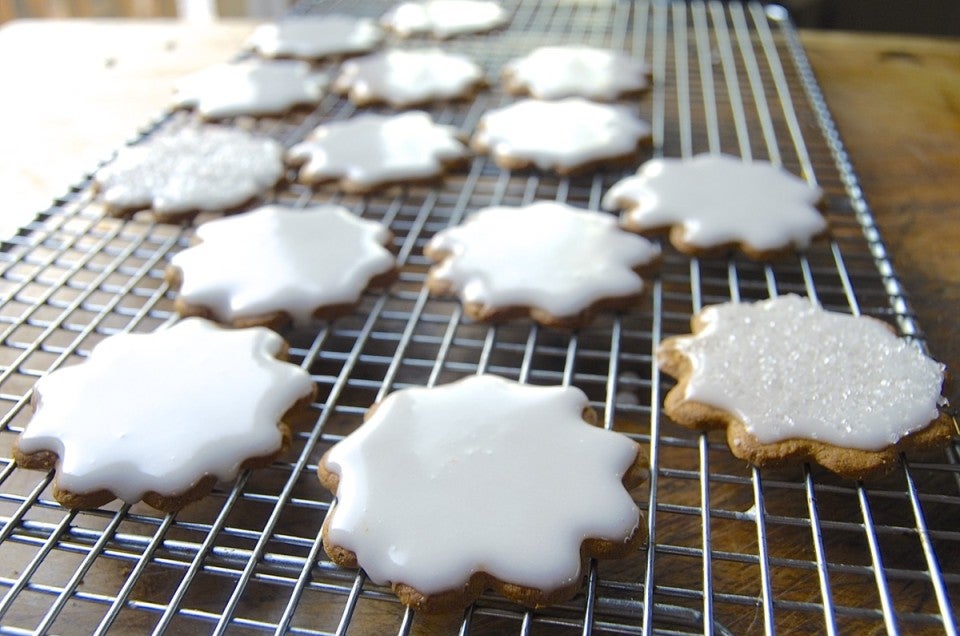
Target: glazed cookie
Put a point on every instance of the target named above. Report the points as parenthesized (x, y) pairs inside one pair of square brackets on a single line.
[(403, 78), (252, 87), (556, 263), (568, 136), (447, 491), (712, 203), (371, 151), (791, 381), (555, 72), (316, 37), (195, 169), (161, 417), (274, 264), (444, 18)]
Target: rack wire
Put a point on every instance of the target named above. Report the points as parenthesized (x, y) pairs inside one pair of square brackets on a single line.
[(732, 549)]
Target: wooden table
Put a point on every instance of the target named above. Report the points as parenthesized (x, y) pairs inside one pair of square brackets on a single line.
[(896, 101)]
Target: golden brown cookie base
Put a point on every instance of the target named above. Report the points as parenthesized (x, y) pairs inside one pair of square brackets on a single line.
[(277, 320), (47, 460), (846, 462), (456, 600), (513, 86)]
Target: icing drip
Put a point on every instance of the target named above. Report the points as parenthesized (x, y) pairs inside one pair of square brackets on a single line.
[(564, 134), (402, 78), (553, 72), (788, 369), (444, 18), (314, 37), (720, 199), (578, 258), (157, 412), (210, 168), (277, 259), (419, 479), (251, 88), (372, 149)]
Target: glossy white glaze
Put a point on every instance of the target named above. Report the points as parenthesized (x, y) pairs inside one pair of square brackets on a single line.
[(404, 77), (444, 18), (252, 87), (554, 72), (483, 474), (788, 369), (157, 412), (279, 259), (315, 37), (548, 255), (719, 199)]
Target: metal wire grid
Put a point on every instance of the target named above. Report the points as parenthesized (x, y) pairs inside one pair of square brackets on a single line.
[(731, 549)]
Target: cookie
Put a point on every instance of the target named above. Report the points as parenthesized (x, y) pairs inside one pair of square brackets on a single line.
[(403, 78), (316, 37), (445, 492), (790, 381), (161, 417), (556, 263), (555, 72), (178, 174), (252, 87), (370, 151), (714, 203), (568, 136), (444, 18), (273, 264)]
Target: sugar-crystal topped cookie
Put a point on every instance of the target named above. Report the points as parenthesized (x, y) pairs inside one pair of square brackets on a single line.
[(713, 202), (567, 136), (194, 169), (273, 264), (162, 416), (555, 72), (444, 18), (789, 380), (554, 262), (482, 483), (252, 87), (316, 37), (369, 151), (403, 78)]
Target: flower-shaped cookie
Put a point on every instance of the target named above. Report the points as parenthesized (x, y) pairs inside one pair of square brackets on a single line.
[(403, 78), (195, 169), (162, 416), (554, 72), (370, 151), (252, 87), (714, 202), (316, 37), (272, 264), (568, 136), (444, 18), (791, 381), (553, 262), (482, 483)]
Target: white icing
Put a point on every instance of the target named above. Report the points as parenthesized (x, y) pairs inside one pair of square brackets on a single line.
[(547, 255), (480, 475), (251, 88), (315, 37), (564, 134), (402, 78), (208, 168), (553, 72), (788, 369), (278, 259), (157, 412), (444, 18), (720, 199), (371, 149)]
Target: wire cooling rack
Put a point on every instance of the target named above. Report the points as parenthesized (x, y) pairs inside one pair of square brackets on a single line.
[(732, 549)]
